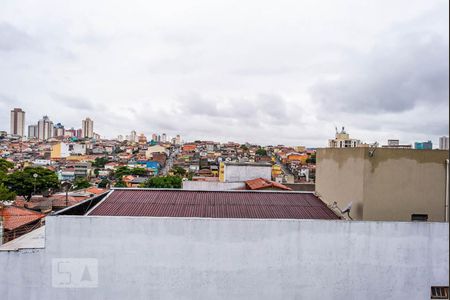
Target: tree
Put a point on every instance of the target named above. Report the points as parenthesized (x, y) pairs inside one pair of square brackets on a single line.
[(81, 183), (261, 152), (120, 183), (100, 162), (170, 182), (6, 194), (122, 171), (25, 183), (178, 171), (103, 184), (138, 172), (5, 165)]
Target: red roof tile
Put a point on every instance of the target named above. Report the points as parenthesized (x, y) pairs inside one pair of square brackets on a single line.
[(261, 183), (14, 217), (213, 204)]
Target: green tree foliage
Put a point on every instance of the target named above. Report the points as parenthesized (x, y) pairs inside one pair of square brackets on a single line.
[(100, 162), (5, 165), (139, 172), (170, 182), (6, 194), (178, 171), (123, 171), (120, 183), (23, 183), (261, 152), (103, 184), (81, 183)]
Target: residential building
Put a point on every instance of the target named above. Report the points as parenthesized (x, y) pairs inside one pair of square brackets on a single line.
[(443, 143), (59, 130), (82, 169), (60, 150), (33, 132), (45, 128), (155, 149), (423, 145), (16, 221), (239, 172), (384, 184), (17, 122), (396, 144), (142, 139), (178, 140), (133, 136), (343, 140), (87, 128)]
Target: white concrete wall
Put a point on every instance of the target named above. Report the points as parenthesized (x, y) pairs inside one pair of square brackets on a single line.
[(170, 258), (236, 173), (212, 186)]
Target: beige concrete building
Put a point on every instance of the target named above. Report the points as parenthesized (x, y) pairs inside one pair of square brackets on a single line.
[(389, 185), (342, 140)]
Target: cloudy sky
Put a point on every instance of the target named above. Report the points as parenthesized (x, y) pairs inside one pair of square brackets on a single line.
[(260, 71)]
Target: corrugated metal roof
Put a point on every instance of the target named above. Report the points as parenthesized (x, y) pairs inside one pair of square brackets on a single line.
[(213, 204)]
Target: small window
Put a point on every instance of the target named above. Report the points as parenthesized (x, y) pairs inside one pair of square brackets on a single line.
[(439, 292), (419, 217)]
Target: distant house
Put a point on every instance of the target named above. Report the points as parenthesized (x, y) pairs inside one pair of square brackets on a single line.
[(18, 221), (134, 181)]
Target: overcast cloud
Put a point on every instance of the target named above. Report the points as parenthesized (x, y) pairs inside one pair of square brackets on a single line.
[(267, 72)]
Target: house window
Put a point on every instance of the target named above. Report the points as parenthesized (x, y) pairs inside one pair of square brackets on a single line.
[(419, 217), (439, 292)]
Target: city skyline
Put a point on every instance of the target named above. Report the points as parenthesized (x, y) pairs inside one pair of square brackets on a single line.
[(164, 137), (283, 74)]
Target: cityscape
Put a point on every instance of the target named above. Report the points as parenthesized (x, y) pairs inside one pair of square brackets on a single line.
[(222, 150)]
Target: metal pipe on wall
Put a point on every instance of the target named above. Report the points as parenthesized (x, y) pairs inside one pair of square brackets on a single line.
[(447, 175)]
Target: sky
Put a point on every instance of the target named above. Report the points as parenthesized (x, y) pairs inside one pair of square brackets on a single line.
[(266, 72)]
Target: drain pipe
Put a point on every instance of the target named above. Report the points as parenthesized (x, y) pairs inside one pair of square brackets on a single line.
[(446, 189)]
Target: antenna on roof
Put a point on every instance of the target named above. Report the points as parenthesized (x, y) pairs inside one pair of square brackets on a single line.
[(372, 149)]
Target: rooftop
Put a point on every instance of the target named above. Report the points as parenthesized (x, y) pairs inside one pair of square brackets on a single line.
[(212, 204), (262, 183), (15, 217)]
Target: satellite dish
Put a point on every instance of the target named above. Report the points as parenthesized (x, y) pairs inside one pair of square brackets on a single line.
[(347, 209)]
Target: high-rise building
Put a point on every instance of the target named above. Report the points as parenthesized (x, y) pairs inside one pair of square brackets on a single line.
[(70, 132), (120, 138), (154, 137), (87, 127), (33, 131), (164, 138), (17, 122), (79, 133), (133, 136), (423, 145), (142, 139), (59, 130), (343, 140), (45, 128), (443, 143), (178, 140)]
